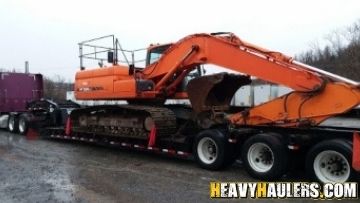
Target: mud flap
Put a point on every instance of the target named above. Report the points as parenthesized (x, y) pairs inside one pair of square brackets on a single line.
[(32, 134), (356, 152)]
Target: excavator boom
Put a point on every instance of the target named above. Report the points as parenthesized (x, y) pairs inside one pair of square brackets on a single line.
[(231, 53)]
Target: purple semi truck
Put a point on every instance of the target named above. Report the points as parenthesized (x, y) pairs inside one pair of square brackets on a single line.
[(22, 103), (17, 89)]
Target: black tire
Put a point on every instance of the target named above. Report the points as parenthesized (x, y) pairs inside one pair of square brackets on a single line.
[(223, 150), (324, 171), (12, 124), (273, 154), (23, 124)]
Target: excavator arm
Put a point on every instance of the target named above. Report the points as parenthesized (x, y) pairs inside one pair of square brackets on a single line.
[(317, 94)]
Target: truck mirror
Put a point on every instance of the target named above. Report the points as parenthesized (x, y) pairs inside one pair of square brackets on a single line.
[(110, 57), (131, 69)]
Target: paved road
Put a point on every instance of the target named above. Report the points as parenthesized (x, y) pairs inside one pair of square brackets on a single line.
[(59, 171)]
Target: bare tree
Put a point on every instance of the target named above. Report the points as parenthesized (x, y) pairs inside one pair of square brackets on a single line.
[(55, 88), (340, 54)]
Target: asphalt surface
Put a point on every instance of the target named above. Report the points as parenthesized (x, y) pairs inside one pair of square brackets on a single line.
[(65, 171)]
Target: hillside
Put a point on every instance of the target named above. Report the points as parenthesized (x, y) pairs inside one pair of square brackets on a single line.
[(339, 55)]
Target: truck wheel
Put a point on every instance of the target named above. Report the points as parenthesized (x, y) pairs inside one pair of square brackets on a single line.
[(23, 125), (12, 124), (210, 151), (330, 161), (265, 157)]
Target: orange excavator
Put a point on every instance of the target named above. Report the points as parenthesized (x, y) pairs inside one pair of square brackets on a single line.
[(318, 95), (311, 102)]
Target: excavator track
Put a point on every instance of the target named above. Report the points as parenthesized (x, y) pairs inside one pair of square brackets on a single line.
[(133, 121)]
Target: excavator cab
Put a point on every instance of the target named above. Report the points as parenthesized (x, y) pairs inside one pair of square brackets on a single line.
[(155, 52)]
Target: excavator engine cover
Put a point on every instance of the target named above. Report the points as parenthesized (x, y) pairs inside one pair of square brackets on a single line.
[(214, 91)]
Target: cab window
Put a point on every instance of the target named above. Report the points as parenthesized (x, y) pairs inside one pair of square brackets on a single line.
[(155, 54)]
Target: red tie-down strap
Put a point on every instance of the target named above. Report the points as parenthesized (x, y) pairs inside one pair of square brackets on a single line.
[(68, 126), (356, 151), (152, 137)]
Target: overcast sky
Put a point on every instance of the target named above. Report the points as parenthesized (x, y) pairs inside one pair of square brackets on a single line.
[(46, 32)]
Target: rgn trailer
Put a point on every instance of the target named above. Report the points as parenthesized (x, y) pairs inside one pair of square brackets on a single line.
[(266, 136)]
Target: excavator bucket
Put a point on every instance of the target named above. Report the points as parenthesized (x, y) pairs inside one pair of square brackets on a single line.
[(216, 90)]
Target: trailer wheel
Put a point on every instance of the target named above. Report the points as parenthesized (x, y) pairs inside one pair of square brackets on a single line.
[(210, 150), (265, 157), (330, 161), (23, 124), (12, 124)]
